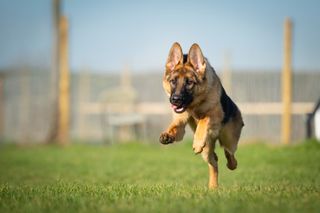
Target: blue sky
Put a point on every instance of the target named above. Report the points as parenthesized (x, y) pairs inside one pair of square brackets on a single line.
[(106, 35)]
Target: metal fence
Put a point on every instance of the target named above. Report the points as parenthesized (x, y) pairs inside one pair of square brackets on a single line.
[(26, 110), (27, 104)]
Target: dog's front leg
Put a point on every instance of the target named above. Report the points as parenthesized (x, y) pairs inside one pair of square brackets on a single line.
[(211, 158), (201, 135), (176, 129), (207, 128)]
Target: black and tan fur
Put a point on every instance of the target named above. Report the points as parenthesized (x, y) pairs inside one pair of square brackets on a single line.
[(198, 99)]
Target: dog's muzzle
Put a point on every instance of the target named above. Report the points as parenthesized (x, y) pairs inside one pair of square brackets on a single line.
[(179, 103)]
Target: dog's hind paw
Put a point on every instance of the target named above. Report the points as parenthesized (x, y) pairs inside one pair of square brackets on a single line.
[(166, 138), (232, 165)]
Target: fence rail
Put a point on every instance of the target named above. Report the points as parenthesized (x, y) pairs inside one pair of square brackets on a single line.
[(27, 109), (161, 108)]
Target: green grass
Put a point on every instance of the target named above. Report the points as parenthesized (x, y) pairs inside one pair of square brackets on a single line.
[(154, 178)]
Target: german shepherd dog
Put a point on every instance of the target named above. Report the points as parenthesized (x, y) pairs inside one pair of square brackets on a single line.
[(198, 99)]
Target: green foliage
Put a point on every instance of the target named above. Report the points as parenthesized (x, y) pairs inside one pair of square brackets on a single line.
[(152, 178)]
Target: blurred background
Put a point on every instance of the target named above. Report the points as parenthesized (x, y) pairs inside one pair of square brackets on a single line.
[(91, 71)]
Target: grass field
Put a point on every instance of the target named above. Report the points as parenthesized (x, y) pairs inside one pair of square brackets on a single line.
[(153, 178)]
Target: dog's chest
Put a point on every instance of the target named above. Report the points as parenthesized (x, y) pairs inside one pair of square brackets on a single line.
[(207, 110), (198, 113)]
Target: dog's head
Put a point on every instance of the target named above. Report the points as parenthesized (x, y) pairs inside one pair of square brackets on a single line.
[(184, 76)]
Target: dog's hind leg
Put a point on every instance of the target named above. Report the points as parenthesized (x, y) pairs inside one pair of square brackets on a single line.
[(211, 158), (229, 137), (229, 144), (232, 162)]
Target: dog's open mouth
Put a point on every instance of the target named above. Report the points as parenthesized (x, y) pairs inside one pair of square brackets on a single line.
[(178, 109)]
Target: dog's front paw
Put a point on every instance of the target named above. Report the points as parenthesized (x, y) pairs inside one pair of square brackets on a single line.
[(166, 138), (198, 146)]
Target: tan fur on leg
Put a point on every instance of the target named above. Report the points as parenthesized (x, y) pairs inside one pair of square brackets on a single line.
[(211, 158)]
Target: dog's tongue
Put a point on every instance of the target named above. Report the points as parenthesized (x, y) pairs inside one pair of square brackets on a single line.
[(174, 106)]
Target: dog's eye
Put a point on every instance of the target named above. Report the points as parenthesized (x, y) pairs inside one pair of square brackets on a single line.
[(189, 82), (173, 82)]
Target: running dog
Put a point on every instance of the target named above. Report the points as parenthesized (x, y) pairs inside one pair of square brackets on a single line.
[(198, 98)]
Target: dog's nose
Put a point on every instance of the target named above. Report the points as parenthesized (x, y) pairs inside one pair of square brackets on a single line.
[(176, 98)]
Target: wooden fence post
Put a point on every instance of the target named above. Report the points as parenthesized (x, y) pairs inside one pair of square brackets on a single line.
[(64, 96), (286, 83), (53, 131)]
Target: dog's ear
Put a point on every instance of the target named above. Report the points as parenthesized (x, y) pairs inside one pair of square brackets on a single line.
[(196, 59), (175, 57)]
